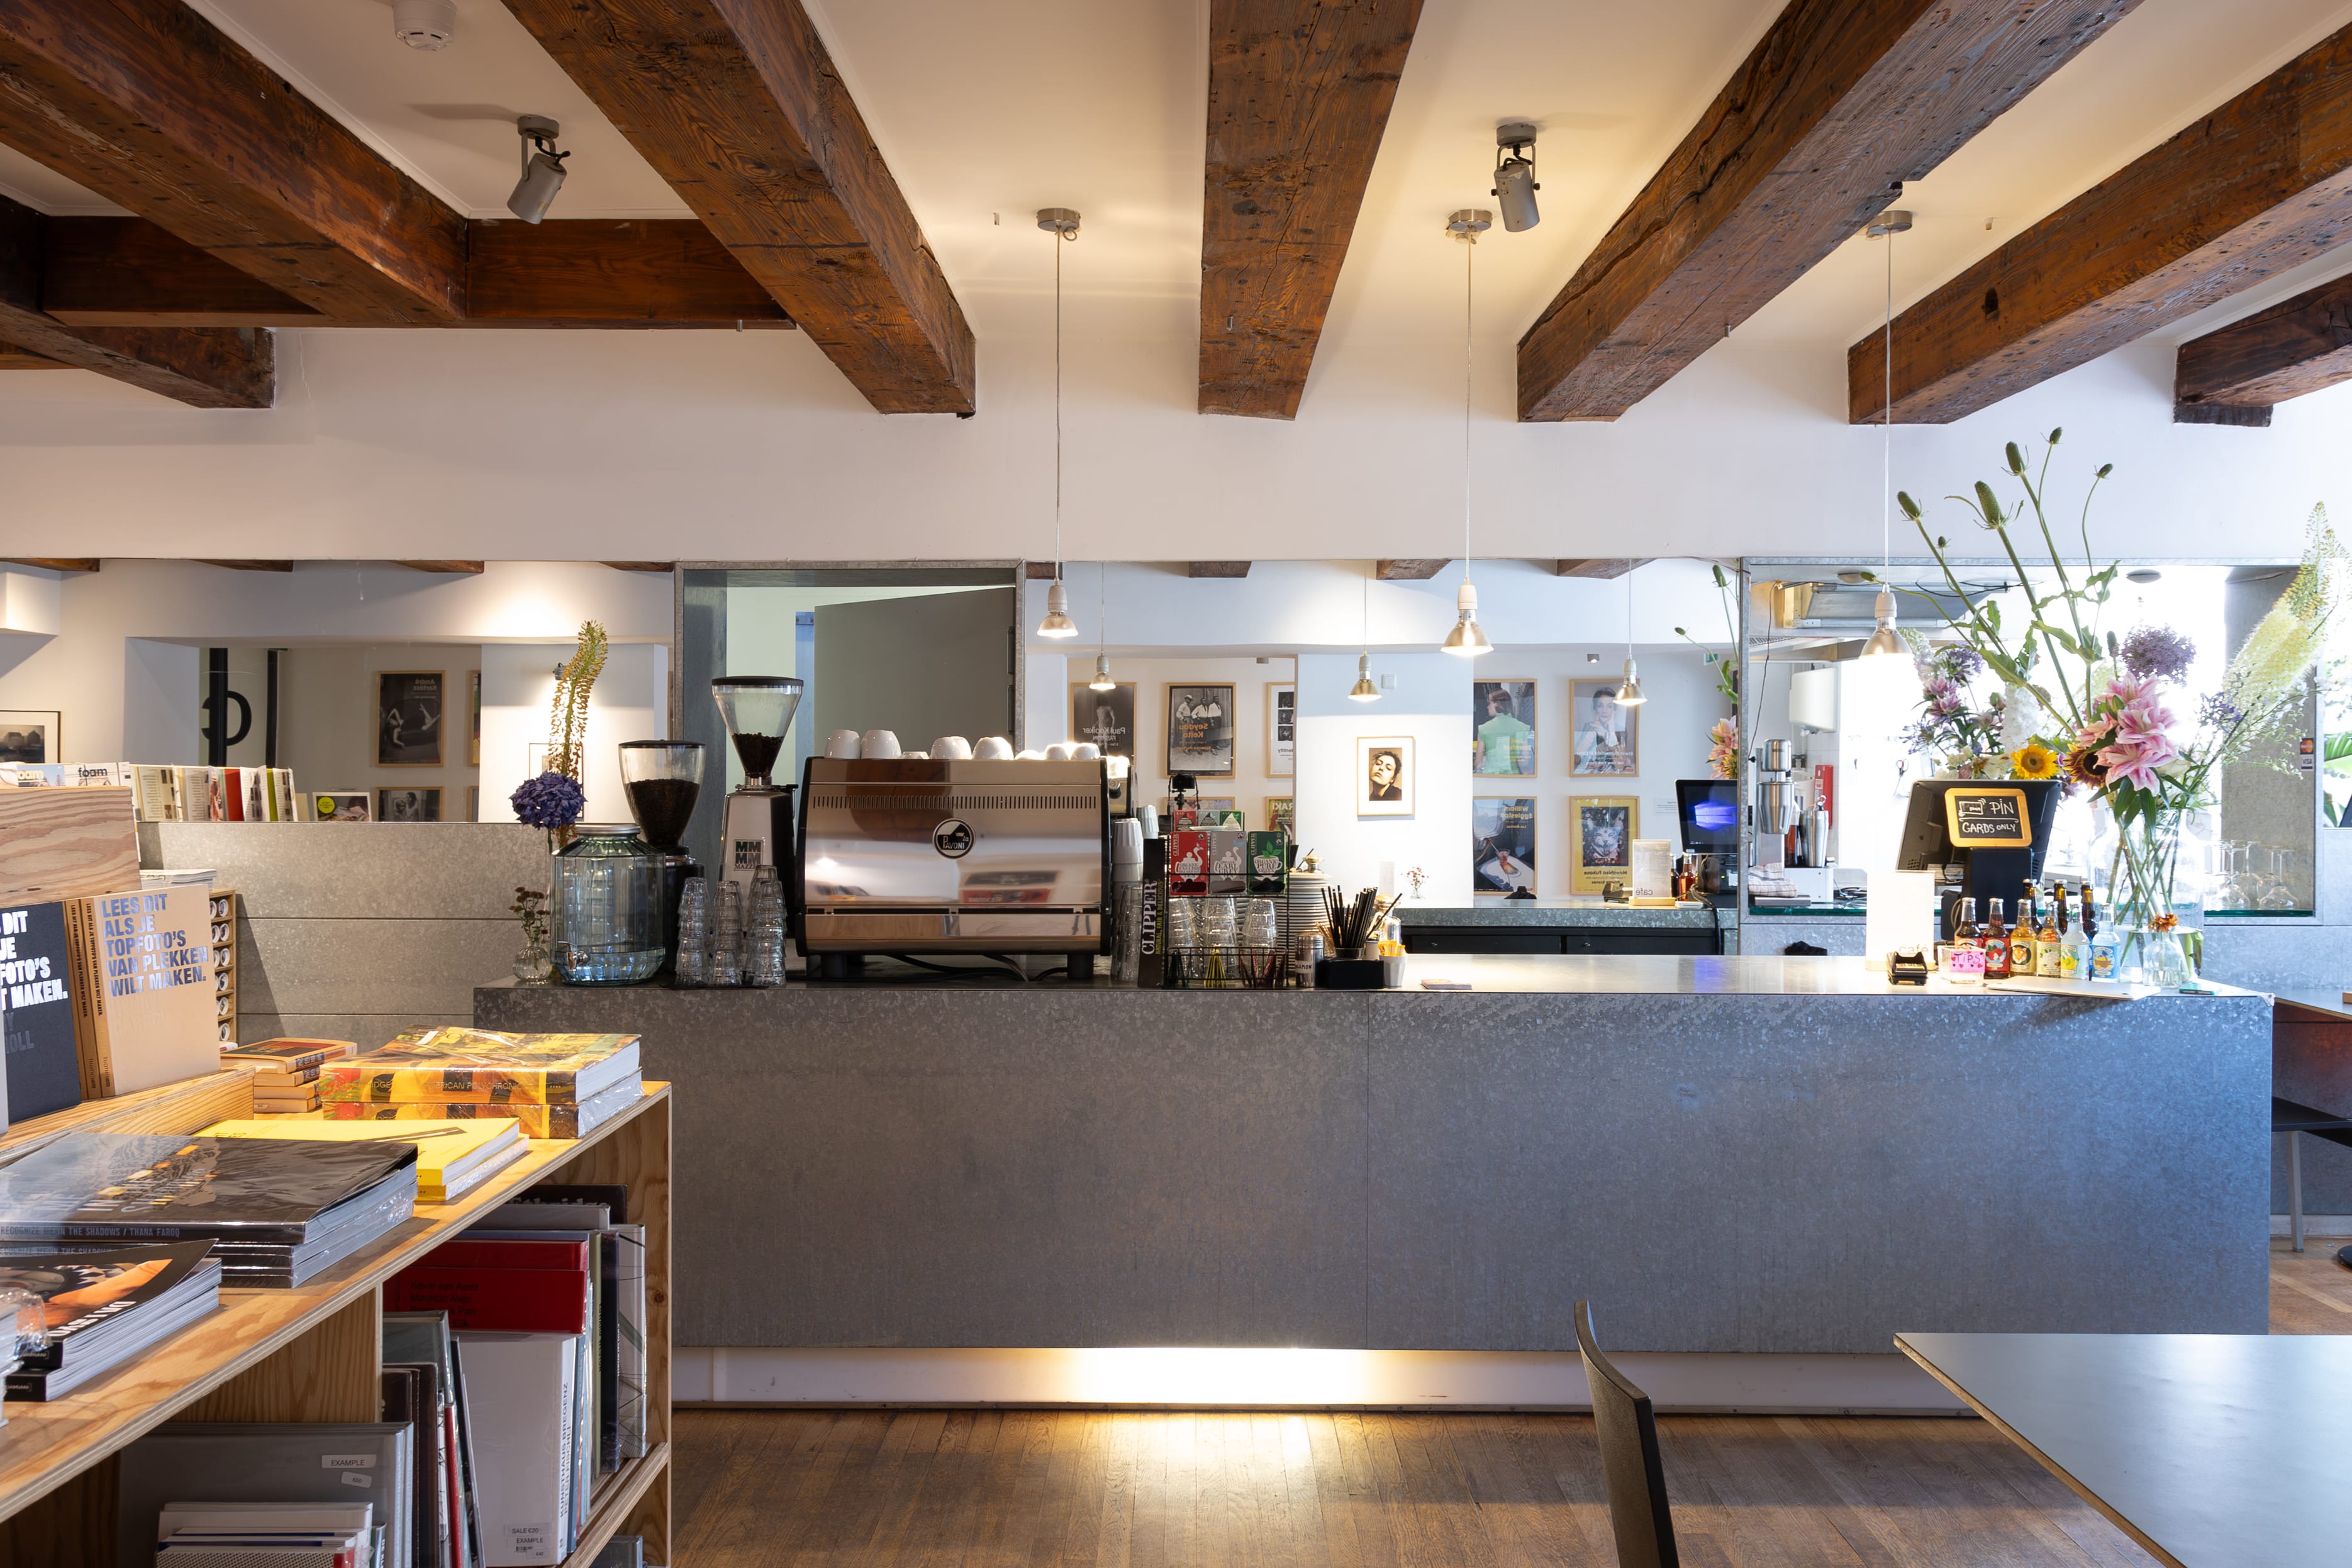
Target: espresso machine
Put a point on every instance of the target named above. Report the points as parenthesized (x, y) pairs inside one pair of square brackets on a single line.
[(756, 827), (664, 778)]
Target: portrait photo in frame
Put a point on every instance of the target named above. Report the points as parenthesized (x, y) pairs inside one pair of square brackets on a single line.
[(1385, 775), (1607, 737)]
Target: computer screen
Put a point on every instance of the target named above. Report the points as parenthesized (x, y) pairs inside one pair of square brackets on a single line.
[(1709, 812)]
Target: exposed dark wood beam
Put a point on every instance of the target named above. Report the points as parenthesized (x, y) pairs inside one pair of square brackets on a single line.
[(13, 358), (2260, 184), (663, 566), (1216, 569), (151, 106), (1300, 92), (64, 563), (1841, 102), (205, 369), (445, 567), (581, 272), (2300, 345), (1606, 570), (1409, 571), (1039, 571), (251, 565), (2251, 417), (736, 105)]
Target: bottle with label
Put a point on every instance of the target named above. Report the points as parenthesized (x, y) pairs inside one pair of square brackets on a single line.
[(1996, 943), (2046, 944), (2106, 951), (2074, 946), (1964, 957)]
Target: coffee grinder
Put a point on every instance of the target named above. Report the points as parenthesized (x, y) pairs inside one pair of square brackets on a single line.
[(757, 827), (664, 778)]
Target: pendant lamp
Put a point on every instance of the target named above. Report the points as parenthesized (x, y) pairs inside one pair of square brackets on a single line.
[(1363, 691), (1884, 644), (1102, 681), (1466, 639), (1063, 225), (1629, 690)]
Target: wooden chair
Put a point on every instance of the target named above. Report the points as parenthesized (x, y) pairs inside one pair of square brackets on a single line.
[(1630, 1466)]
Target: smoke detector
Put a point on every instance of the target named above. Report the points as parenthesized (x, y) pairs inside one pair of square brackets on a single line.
[(427, 25)]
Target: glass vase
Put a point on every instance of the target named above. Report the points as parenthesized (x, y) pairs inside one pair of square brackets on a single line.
[(533, 966), (2143, 891), (2163, 962), (605, 907)]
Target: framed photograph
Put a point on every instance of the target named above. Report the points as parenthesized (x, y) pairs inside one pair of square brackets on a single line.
[(1282, 815), (1107, 718), (1282, 730), (398, 805), (1201, 731), (28, 736), (408, 718), (1503, 728), (1502, 845), (341, 806), (474, 747), (1608, 738), (1385, 775), (1600, 831)]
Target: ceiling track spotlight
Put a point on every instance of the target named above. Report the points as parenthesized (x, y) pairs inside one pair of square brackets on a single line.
[(1514, 174), (543, 167)]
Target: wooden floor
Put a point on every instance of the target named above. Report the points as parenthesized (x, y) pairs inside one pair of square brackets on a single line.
[(871, 1489)]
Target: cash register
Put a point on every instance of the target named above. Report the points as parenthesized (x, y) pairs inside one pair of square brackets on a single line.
[(1987, 838)]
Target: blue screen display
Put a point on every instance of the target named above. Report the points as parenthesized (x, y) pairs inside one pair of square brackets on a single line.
[(1709, 809)]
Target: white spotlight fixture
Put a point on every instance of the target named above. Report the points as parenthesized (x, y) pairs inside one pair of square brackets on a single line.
[(1363, 691), (1884, 644), (1063, 225), (1629, 690), (1466, 639), (427, 25), (1514, 174), (543, 167)]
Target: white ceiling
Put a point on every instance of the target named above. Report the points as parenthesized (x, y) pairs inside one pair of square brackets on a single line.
[(986, 112)]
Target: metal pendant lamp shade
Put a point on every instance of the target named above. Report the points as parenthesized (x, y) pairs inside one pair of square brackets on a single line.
[(1884, 644), (1102, 681), (1057, 621), (1466, 639), (1629, 690), (1063, 225), (1363, 691)]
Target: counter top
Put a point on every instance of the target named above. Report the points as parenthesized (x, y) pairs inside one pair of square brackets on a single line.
[(2330, 1005), (1574, 911), (1545, 974)]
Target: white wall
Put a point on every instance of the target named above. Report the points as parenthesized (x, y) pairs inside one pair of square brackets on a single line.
[(719, 445), (1429, 701), (629, 702)]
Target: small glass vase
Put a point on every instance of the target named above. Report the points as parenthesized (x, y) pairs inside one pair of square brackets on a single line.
[(533, 966), (2163, 962)]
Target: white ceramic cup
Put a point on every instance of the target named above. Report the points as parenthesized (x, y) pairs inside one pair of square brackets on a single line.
[(916, 756), (1085, 751), (1029, 754), (992, 746), (954, 748), (1059, 751), (842, 743), (880, 743)]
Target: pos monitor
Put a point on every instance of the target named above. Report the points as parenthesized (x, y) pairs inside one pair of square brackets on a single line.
[(1708, 810)]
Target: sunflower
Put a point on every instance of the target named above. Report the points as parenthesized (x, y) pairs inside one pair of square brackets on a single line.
[(2034, 760)]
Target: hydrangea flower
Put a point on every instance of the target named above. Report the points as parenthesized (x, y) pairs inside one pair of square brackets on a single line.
[(551, 800), (2158, 654)]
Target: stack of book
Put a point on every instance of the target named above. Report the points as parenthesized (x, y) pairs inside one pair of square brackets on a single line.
[(556, 1085), (265, 1535), (197, 794), (452, 1157), (103, 1308), (276, 1210), (286, 1071), (188, 1469), (424, 1385)]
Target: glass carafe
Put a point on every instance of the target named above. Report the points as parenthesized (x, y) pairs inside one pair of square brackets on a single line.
[(606, 909)]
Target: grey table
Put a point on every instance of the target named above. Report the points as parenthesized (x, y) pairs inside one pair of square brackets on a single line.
[(2208, 1450)]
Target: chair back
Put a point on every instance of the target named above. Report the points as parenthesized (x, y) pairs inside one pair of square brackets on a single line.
[(1630, 1469)]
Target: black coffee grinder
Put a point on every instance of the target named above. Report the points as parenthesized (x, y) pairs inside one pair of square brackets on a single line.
[(663, 780)]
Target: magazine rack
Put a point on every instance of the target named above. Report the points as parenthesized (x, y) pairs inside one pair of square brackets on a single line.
[(313, 1353)]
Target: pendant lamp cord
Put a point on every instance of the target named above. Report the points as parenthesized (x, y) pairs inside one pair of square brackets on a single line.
[(1469, 260), (1102, 603), (1886, 442), (1058, 238)]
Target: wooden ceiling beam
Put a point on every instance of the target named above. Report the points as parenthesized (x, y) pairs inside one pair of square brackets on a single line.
[(663, 567), (1299, 93), (1409, 571), (204, 368), (149, 105), (2300, 345), (1216, 569), (250, 564), (446, 568), (2260, 184), (736, 105), (579, 272), (60, 563), (1841, 102), (1606, 570), (13, 358)]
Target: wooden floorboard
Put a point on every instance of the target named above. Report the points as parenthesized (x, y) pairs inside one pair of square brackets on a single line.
[(1092, 1488)]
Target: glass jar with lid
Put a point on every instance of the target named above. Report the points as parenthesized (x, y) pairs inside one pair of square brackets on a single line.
[(606, 909)]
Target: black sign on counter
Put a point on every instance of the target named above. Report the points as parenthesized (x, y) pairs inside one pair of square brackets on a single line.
[(1988, 818)]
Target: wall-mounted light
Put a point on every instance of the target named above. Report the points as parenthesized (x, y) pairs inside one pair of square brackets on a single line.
[(1514, 174), (543, 167)]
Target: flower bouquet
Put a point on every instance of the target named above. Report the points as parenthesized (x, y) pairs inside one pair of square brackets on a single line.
[(2107, 719)]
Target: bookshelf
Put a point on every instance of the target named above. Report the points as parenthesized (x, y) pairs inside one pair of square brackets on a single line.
[(313, 1353)]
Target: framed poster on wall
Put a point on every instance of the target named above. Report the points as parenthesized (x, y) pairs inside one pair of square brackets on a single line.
[(1282, 730), (1502, 845), (29, 737), (1385, 775), (1107, 718), (1201, 731), (398, 805), (408, 717), (1608, 738), (1600, 833), (1503, 727)]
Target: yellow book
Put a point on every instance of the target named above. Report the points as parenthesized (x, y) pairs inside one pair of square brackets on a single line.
[(452, 1157)]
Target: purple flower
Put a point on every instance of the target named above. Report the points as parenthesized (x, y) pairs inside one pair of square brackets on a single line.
[(1960, 662), (2218, 712), (550, 801), (2158, 654)]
